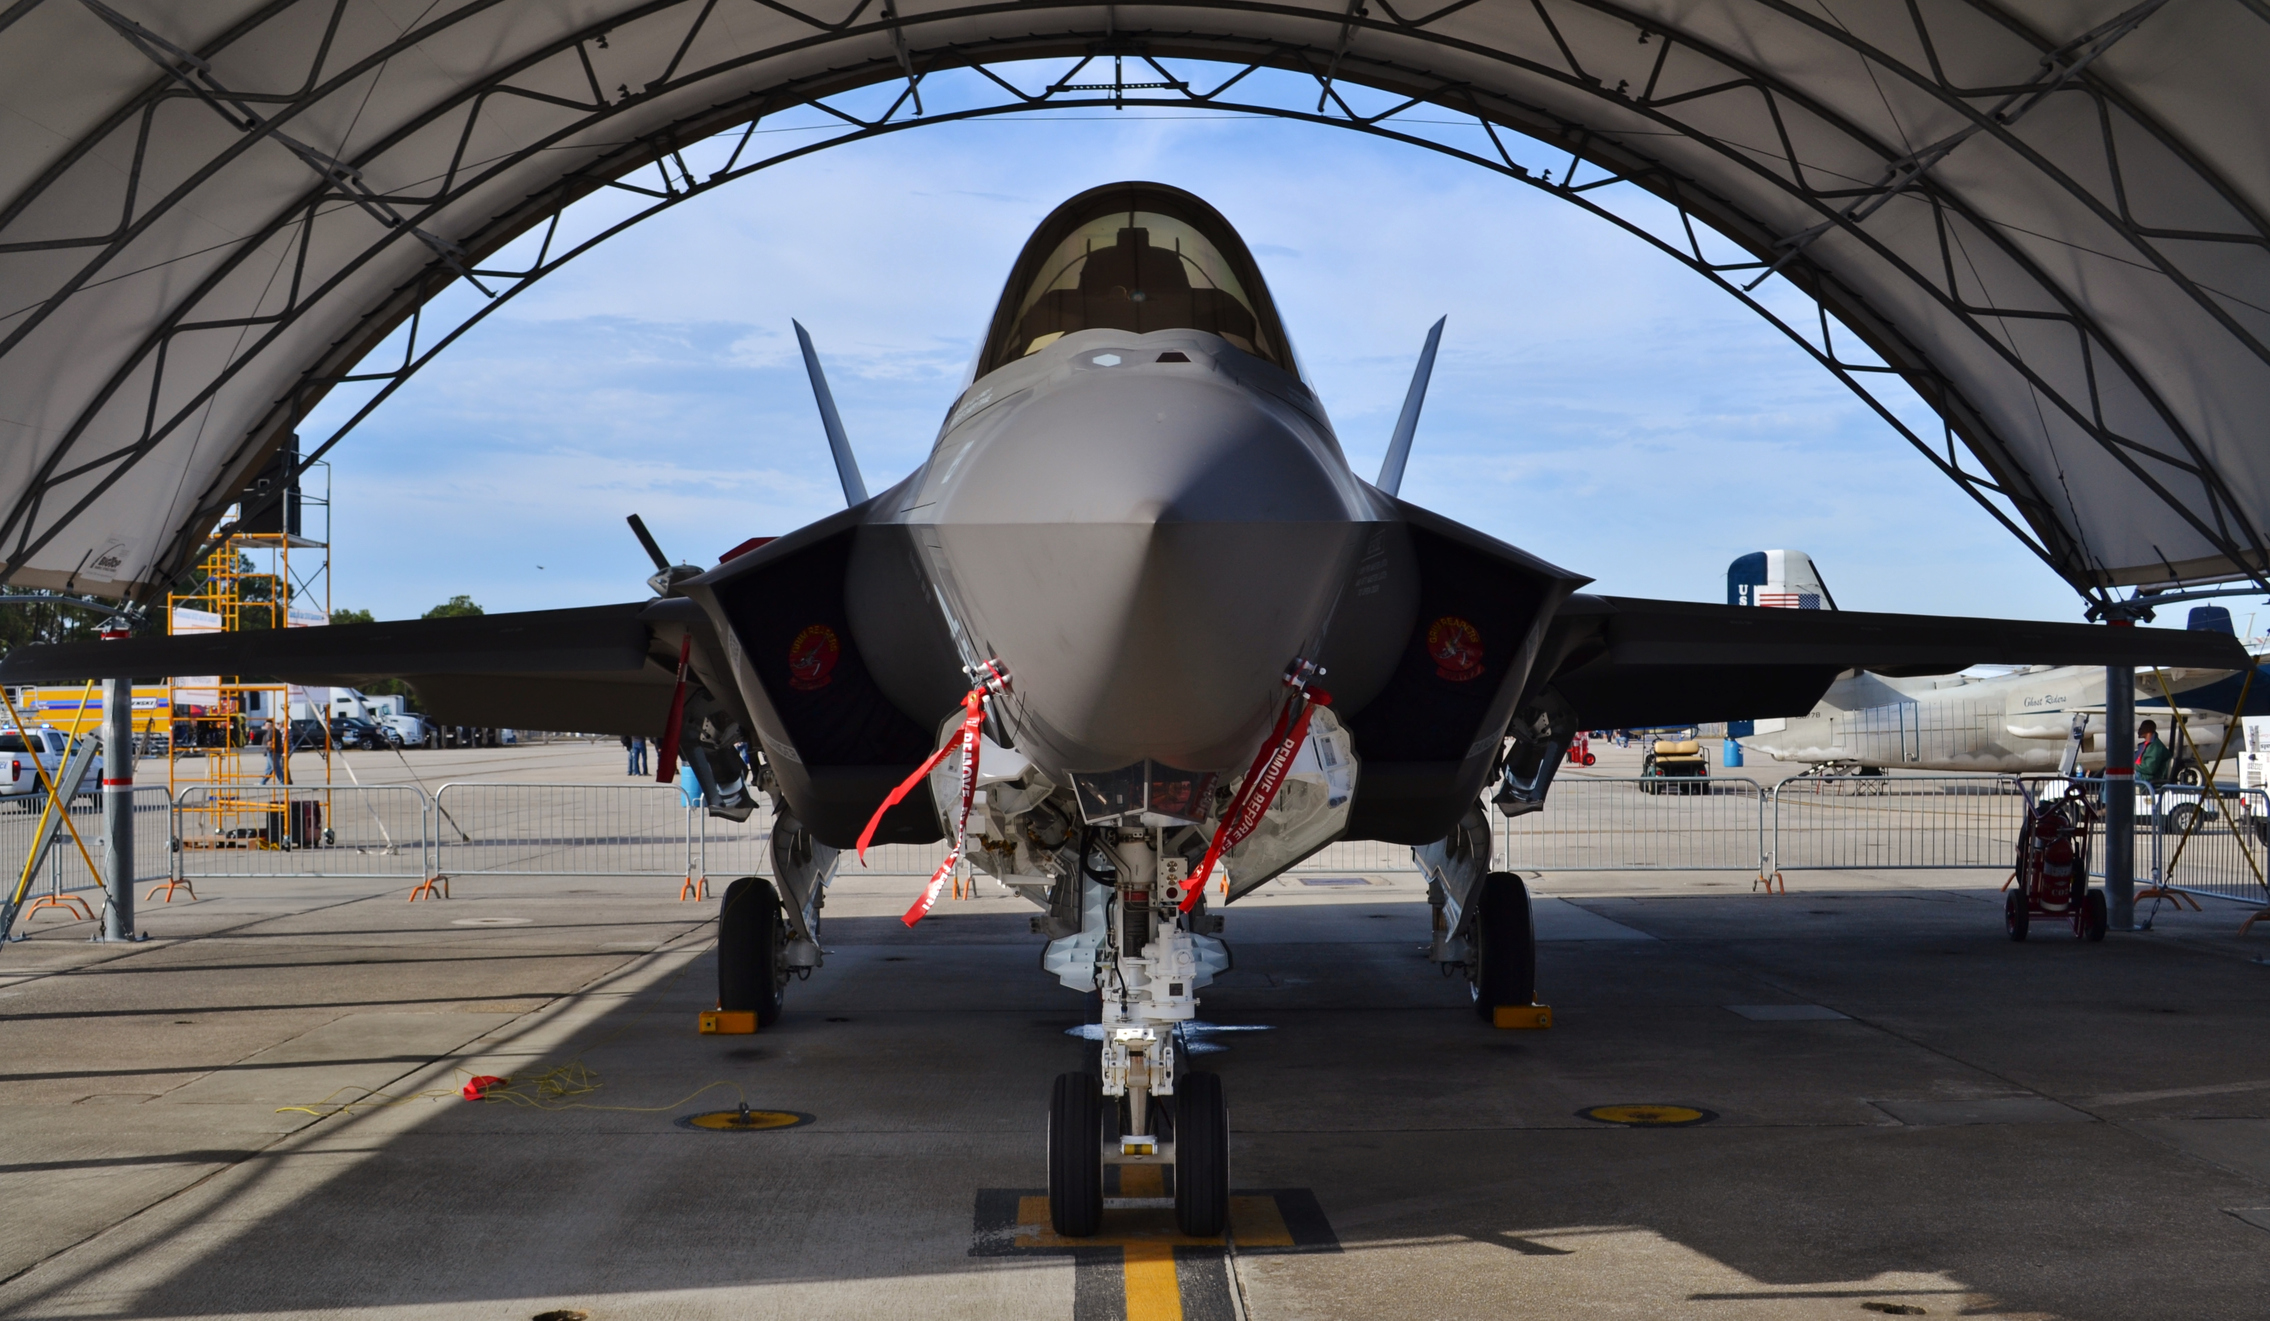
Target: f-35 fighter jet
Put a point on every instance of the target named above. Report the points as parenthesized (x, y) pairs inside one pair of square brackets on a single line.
[(1134, 639)]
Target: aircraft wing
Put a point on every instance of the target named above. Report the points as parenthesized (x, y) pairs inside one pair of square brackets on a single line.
[(606, 669), (1626, 662)]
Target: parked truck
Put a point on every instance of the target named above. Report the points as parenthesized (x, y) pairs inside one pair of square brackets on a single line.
[(24, 751), (387, 711)]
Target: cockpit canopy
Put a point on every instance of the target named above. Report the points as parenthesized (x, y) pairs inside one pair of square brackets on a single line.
[(1137, 257)]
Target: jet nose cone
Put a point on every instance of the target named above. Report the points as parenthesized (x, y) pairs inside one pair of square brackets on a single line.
[(1146, 550)]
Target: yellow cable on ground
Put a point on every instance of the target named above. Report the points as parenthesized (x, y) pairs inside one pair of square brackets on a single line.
[(548, 1090)]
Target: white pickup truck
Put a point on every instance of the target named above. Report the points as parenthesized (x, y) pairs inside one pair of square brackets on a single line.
[(20, 748), (389, 710)]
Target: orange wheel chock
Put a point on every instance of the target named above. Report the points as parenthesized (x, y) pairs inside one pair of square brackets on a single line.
[(1530, 1015)]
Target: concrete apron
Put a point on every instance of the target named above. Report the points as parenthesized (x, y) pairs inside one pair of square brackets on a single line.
[(1903, 1109)]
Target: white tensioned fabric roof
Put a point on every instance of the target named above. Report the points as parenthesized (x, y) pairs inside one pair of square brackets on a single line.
[(2047, 216)]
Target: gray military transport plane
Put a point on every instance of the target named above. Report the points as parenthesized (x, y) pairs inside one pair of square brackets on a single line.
[(1134, 639)]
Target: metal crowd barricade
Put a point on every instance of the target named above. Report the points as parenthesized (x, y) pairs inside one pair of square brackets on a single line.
[(733, 849), (1355, 857), (1720, 823), (1654, 823), (381, 831), (523, 829), (153, 835), (1900, 822), (2186, 843), (62, 882), (2226, 853)]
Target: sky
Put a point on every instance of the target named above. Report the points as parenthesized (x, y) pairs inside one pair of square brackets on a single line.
[(1595, 403)]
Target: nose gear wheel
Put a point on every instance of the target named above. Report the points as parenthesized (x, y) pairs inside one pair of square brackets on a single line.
[(1075, 1155), (1201, 1155)]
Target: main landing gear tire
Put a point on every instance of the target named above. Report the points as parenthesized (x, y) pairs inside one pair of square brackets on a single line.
[(1075, 1155), (752, 944), (1504, 945), (2016, 916), (1201, 1155)]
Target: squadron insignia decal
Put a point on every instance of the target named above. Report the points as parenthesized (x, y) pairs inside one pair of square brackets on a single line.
[(1455, 647), (812, 658)]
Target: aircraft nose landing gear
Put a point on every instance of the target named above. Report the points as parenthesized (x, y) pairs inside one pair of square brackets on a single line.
[(1142, 1110)]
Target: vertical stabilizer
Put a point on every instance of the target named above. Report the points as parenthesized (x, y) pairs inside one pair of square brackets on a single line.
[(846, 467), (1781, 579), (2212, 619), (1407, 424)]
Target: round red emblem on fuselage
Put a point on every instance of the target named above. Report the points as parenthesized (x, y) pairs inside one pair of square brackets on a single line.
[(812, 658), (1455, 647)]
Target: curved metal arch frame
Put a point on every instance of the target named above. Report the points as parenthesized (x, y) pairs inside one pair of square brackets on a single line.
[(2005, 478), (546, 262)]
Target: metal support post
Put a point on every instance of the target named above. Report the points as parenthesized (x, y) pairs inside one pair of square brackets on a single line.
[(2119, 797), (118, 809)]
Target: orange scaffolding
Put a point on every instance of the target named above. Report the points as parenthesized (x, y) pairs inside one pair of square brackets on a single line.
[(222, 725)]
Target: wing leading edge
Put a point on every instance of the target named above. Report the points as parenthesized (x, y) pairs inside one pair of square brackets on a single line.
[(1626, 662), (601, 669)]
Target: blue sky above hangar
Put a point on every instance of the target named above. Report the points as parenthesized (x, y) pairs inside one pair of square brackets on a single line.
[(1595, 403)]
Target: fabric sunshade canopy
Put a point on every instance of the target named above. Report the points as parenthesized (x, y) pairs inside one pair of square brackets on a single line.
[(2047, 216)]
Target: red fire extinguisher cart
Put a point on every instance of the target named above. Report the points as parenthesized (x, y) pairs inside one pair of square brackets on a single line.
[(2052, 875)]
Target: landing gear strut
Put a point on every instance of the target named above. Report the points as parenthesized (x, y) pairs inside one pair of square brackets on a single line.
[(1144, 1110)]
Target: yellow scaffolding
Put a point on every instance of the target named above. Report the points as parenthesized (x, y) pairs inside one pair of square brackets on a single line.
[(222, 726)]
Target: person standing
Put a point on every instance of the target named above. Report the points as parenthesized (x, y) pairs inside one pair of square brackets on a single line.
[(638, 754), (273, 741), (2154, 762)]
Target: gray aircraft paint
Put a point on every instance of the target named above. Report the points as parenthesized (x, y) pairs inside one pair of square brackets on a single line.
[(2004, 723), (1147, 582)]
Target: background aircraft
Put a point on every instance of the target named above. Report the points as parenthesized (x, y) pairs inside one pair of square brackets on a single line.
[(2019, 721), (1134, 620)]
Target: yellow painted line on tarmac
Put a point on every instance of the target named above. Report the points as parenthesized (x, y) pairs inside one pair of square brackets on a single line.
[(1147, 1239), (1152, 1291)]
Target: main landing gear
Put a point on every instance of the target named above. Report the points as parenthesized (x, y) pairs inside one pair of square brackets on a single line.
[(752, 950), (1505, 946), (1482, 925), (763, 941), (1143, 1110)]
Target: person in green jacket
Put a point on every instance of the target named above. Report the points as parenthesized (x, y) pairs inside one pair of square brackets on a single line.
[(2153, 760)]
